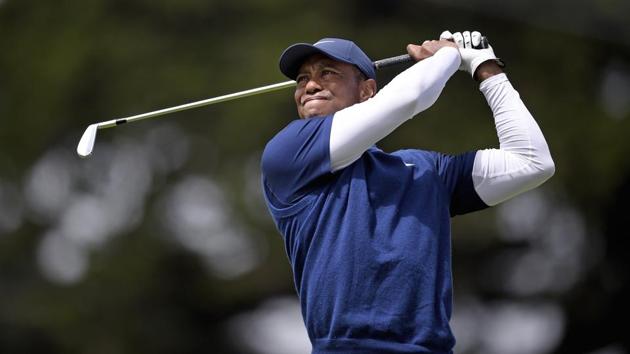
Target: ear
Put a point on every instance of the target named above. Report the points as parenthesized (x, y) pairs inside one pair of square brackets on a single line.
[(367, 89)]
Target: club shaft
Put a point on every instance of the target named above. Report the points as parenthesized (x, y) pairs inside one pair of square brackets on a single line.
[(264, 89), (191, 105)]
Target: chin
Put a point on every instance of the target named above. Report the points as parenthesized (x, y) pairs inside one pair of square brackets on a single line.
[(317, 113)]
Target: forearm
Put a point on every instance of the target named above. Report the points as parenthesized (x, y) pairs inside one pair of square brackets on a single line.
[(523, 161), (487, 70), (356, 128)]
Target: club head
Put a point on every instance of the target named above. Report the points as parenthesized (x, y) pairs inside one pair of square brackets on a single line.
[(86, 144)]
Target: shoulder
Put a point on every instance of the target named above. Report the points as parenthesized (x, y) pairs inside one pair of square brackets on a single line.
[(297, 155), (282, 141)]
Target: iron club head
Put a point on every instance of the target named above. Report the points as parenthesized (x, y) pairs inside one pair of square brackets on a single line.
[(86, 144)]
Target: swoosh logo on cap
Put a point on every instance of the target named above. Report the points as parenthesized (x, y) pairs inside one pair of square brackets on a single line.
[(320, 42)]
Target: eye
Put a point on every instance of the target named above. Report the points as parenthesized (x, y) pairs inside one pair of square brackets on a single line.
[(328, 73), (301, 78)]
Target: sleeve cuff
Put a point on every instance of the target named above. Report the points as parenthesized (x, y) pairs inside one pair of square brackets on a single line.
[(492, 81)]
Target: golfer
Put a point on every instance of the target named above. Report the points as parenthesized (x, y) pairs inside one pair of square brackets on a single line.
[(367, 232)]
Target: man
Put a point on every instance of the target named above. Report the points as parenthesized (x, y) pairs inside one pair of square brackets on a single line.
[(367, 232)]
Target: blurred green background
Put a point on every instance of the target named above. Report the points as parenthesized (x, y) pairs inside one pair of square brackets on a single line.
[(160, 241)]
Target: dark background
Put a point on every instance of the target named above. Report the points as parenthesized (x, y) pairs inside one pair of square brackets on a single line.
[(160, 241)]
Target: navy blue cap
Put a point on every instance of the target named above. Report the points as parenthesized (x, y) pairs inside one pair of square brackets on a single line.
[(334, 48)]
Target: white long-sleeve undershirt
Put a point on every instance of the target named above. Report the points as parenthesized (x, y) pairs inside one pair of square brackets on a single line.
[(523, 160), (521, 163)]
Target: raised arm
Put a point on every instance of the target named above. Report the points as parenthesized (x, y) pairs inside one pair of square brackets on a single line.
[(356, 128), (523, 160)]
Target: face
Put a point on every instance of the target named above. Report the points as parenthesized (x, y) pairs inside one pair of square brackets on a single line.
[(325, 86)]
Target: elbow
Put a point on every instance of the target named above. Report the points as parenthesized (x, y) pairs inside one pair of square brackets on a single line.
[(550, 169), (545, 170), (540, 166), (537, 172), (522, 175)]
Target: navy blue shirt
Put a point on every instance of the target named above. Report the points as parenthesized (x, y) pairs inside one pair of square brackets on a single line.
[(369, 245)]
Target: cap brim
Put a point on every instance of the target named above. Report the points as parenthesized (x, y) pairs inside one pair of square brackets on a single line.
[(292, 58)]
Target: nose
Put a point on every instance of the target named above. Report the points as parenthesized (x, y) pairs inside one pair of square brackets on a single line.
[(312, 86)]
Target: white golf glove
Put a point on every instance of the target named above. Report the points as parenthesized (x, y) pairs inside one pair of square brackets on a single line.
[(473, 48)]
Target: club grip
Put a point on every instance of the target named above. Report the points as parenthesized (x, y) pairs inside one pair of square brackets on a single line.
[(401, 59), (406, 58)]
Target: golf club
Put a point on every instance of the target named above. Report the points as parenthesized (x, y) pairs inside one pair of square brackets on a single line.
[(86, 144)]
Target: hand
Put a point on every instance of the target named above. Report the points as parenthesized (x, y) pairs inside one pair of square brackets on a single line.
[(474, 50), (428, 48)]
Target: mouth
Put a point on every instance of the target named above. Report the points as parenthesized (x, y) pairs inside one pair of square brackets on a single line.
[(313, 98)]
